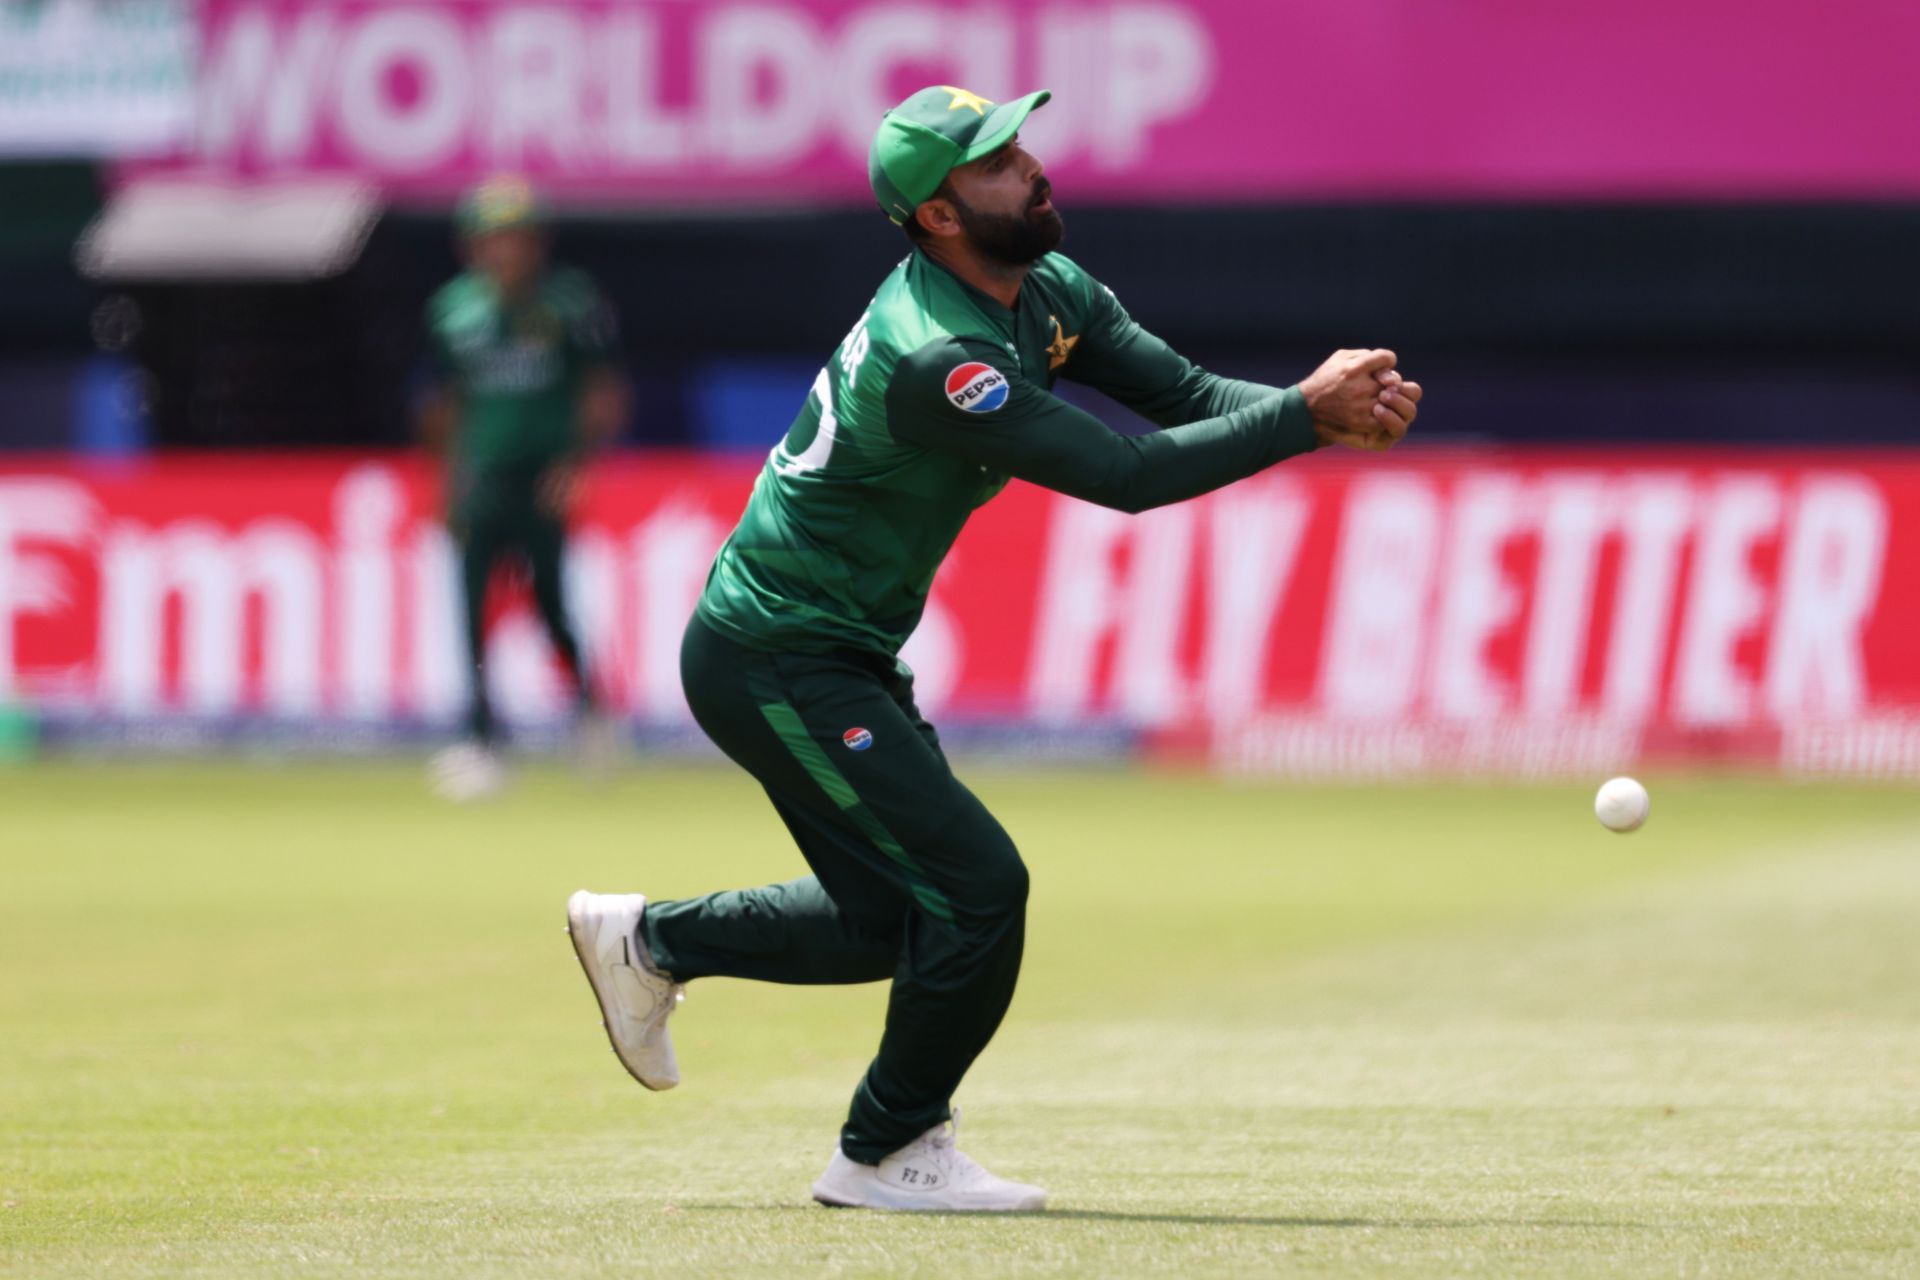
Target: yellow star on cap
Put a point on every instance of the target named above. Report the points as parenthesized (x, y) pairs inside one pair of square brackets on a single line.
[(1061, 347), (961, 98)]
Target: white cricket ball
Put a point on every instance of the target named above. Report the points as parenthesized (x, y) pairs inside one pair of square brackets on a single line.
[(1621, 805)]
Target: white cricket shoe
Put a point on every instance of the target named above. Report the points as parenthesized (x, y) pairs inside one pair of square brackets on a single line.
[(467, 771), (635, 1001), (929, 1173)]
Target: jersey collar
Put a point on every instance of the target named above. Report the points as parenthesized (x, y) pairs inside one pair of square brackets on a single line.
[(987, 304)]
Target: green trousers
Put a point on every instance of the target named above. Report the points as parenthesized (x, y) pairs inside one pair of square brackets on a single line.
[(495, 519), (913, 880)]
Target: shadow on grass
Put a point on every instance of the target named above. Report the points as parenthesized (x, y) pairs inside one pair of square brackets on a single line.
[(1248, 1220), (1202, 1219)]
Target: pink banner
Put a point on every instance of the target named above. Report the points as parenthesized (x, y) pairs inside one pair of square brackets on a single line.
[(1528, 613), (663, 101)]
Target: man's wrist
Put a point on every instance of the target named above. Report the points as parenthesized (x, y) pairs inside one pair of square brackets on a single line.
[(1296, 430)]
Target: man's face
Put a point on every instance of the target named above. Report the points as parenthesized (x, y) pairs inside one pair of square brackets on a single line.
[(511, 258), (1004, 204)]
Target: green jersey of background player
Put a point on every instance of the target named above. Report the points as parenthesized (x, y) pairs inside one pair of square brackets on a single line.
[(526, 385), (941, 391)]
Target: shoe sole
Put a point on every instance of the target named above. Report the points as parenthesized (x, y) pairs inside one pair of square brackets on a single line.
[(576, 932), (827, 1201)]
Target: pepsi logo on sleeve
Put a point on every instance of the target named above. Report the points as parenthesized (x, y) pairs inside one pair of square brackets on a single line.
[(977, 387)]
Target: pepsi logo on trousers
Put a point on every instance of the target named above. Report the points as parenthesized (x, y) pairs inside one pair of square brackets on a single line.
[(857, 739), (977, 387)]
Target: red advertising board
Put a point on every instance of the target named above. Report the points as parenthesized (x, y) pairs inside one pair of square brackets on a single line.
[(1529, 612)]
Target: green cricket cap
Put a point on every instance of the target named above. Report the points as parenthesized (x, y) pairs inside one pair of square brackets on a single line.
[(499, 204), (932, 133)]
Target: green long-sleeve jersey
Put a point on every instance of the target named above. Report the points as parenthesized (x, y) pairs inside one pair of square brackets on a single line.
[(935, 399), (517, 369)]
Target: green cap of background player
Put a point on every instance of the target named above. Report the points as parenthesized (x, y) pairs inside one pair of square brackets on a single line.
[(499, 204), (931, 134)]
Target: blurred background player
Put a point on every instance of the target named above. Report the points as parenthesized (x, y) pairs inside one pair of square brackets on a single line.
[(526, 388)]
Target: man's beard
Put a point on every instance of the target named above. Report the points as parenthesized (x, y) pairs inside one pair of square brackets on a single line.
[(1014, 239)]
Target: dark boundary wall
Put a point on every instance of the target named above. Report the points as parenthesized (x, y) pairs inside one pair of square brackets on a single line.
[(1787, 323), (1744, 279), (43, 305)]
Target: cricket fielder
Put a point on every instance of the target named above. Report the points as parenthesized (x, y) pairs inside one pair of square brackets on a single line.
[(527, 386), (940, 394)]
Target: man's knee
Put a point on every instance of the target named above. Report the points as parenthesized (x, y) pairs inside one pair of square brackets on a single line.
[(996, 889), (1008, 885)]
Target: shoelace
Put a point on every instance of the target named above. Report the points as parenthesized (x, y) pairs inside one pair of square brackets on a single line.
[(944, 1136), (944, 1144), (675, 994)]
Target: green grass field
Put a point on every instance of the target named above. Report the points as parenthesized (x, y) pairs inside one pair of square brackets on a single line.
[(304, 1021)]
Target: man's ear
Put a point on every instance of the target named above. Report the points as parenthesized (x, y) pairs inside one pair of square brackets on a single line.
[(936, 217)]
